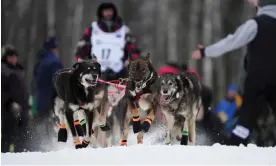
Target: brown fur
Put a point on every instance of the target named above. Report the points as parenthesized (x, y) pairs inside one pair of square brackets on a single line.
[(141, 84)]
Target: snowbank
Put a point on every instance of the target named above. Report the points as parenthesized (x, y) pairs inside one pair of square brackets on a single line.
[(148, 154)]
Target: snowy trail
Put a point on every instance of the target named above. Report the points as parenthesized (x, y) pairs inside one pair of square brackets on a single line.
[(151, 152), (148, 154)]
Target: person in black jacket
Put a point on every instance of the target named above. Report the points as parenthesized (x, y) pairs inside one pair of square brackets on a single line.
[(259, 35), (14, 102)]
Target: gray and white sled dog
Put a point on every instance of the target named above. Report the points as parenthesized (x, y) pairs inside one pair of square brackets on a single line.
[(180, 102)]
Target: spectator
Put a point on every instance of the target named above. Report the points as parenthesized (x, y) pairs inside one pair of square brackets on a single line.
[(227, 108), (14, 102), (47, 64), (260, 84)]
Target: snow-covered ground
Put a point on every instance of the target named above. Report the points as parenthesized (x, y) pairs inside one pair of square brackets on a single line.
[(148, 154), (151, 152)]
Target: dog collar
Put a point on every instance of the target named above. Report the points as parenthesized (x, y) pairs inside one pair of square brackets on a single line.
[(144, 83)]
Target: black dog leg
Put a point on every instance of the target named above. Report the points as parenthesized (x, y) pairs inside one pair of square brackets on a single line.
[(70, 120), (184, 138), (62, 133), (89, 131), (78, 128)]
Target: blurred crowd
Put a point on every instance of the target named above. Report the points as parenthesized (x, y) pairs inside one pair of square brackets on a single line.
[(27, 122)]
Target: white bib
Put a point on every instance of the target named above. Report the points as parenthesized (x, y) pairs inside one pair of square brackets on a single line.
[(108, 47)]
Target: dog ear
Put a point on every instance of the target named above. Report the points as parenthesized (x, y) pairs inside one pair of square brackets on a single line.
[(76, 65), (147, 57), (94, 58)]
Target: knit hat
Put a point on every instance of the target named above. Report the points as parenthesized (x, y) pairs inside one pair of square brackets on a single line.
[(267, 2), (232, 87), (50, 43), (8, 50), (107, 5)]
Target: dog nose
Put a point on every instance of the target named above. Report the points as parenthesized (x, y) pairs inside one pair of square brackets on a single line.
[(94, 76), (165, 91)]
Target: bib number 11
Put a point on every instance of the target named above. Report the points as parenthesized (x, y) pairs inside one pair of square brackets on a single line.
[(106, 53)]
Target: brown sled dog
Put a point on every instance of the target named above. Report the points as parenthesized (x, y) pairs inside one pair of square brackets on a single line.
[(140, 93)]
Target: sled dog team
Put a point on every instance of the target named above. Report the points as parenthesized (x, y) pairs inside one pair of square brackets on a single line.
[(85, 108)]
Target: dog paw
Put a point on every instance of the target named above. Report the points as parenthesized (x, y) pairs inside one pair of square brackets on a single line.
[(168, 142), (178, 138), (85, 143), (123, 143), (184, 138), (78, 145), (62, 135), (105, 127), (140, 142), (136, 123), (145, 126)]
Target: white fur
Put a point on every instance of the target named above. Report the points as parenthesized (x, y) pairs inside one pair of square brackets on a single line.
[(88, 106), (73, 107), (83, 81), (144, 103), (59, 104), (133, 93)]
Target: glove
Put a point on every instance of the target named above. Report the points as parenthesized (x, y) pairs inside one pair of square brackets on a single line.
[(146, 125), (136, 123)]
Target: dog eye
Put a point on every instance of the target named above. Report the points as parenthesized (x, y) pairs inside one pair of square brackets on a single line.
[(162, 83), (143, 70), (170, 84)]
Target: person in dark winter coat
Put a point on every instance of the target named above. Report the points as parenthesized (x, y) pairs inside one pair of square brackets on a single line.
[(47, 64), (96, 39), (14, 101), (260, 84)]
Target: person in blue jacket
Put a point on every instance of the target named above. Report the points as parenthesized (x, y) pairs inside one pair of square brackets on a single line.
[(47, 64), (227, 107)]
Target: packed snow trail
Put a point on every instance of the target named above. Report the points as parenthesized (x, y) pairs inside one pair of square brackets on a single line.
[(147, 154), (151, 152)]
